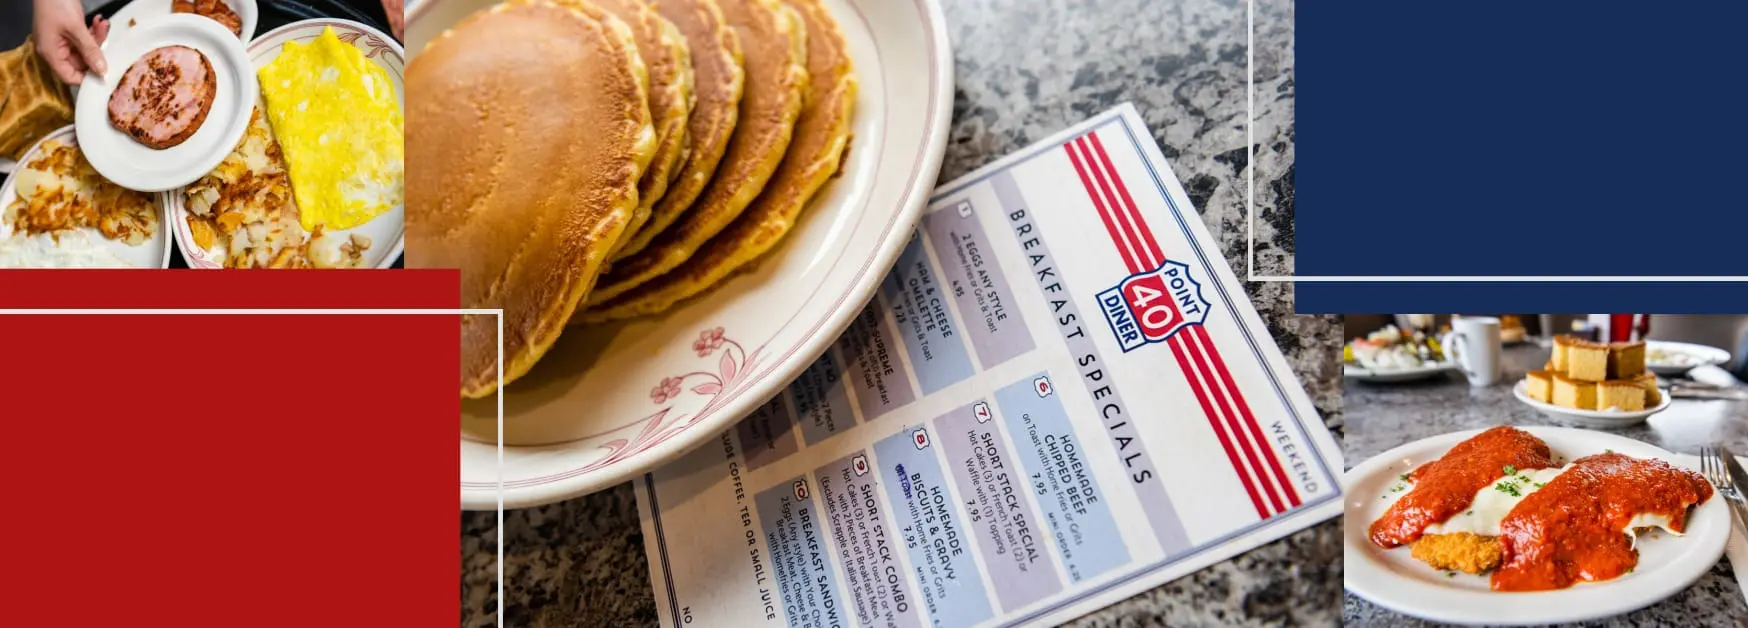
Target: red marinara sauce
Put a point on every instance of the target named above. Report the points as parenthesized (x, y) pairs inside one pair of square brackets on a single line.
[(1575, 527), (1445, 487)]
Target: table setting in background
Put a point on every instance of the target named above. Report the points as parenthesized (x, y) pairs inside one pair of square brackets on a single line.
[(1593, 401)]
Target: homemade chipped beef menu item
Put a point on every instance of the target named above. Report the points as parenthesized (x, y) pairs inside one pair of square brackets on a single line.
[(768, 90), (1502, 502), (1587, 375)]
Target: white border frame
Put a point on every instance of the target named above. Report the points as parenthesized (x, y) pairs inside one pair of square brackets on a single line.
[(496, 313), (1250, 211)]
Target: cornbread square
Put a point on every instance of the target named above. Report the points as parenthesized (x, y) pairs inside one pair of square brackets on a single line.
[(1540, 385), (1626, 360), (1587, 361), (1561, 343), (1574, 393), (1620, 393), (1648, 382)]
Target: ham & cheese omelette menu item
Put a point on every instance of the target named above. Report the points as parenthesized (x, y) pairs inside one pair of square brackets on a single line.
[(1060, 397)]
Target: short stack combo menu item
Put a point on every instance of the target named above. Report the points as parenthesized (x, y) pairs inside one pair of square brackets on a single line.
[(1058, 398)]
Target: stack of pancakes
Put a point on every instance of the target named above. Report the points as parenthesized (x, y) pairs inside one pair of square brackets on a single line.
[(590, 160)]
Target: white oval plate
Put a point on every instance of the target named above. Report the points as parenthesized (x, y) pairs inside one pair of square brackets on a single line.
[(595, 412), (153, 253), (141, 12), (1589, 418), (133, 165), (1703, 356), (1394, 580), (1383, 376), (379, 49)]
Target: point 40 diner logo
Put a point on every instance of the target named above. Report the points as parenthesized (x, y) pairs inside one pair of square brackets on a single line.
[(1152, 306)]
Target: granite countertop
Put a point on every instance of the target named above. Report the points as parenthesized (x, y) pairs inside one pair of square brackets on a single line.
[(1380, 417), (1025, 70)]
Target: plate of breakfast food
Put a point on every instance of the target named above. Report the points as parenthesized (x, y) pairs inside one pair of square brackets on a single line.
[(1531, 525), (733, 181), (57, 212), (1393, 355), (1677, 358), (237, 16), (1594, 384), (171, 104), (317, 180)]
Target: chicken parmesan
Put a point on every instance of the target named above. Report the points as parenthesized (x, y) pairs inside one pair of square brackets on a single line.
[(1500, 503)]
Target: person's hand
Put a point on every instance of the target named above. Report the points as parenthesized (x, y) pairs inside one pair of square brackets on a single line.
[(64, 41), (396, 19)]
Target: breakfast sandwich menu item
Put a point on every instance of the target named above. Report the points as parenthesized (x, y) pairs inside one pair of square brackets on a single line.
[(1060, 397)]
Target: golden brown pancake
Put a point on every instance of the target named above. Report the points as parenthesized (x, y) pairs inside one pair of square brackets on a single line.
[(718, 80), (821, 135), (522, 194), (665, 53), (774, 39)]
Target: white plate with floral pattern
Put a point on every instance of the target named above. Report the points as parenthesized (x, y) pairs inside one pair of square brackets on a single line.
[(613, 401), (386, 232)]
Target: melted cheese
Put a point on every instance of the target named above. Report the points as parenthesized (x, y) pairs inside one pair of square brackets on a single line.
[(339, 123), (1491, 505)]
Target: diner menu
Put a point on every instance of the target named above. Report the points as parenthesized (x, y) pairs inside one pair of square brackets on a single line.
[(1060, 397)]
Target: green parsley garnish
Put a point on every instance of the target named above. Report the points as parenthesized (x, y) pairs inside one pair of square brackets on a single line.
[(1539, 484), (1608, 451), (1469, 513), (1450, 574), (1508, 488), (1510, 470)]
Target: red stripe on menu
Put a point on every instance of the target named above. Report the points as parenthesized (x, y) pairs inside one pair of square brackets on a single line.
[(1125, 240), (1250, 420), (1151, 248), (1145, 259), (1249, 445), (1110, 227), (1183, 364)]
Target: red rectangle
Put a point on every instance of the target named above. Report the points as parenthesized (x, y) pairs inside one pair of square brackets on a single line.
[(230, 469)]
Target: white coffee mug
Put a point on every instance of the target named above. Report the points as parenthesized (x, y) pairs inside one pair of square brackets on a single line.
[(1473, 343)]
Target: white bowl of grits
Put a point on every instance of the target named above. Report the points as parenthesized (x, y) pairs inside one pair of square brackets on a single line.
[(56, 211)]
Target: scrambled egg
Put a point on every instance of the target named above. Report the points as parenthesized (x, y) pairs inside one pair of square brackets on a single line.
[(339, 123), (243, 212)]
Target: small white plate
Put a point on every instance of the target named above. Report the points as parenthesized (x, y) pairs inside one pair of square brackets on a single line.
[(386, 232), (1383, 376), (135, 166), (596, 411), (1395, 580), (1590, 418), (141, 12), (1702, 356), (153, 253)]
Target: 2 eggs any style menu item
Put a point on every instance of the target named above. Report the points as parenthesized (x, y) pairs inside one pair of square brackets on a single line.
[(753, 156)]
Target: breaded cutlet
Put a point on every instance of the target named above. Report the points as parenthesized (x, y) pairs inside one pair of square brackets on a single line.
[(1459, 551)]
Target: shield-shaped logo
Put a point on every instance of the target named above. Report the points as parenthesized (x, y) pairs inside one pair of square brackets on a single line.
[(1152, 306)]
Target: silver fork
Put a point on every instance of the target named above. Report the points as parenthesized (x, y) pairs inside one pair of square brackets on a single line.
[(1711, 466)]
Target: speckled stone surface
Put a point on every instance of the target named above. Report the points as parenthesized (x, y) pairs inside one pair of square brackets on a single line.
[(1380, 417), (1025, 70)]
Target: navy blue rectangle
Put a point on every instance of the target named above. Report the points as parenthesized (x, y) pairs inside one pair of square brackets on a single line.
[(1519, 138), (1645, 298)]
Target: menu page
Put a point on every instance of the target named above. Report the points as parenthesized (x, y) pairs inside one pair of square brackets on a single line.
[(1060, 397)]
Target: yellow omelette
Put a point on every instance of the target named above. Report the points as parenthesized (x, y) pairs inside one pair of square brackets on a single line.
[(339, 123)]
